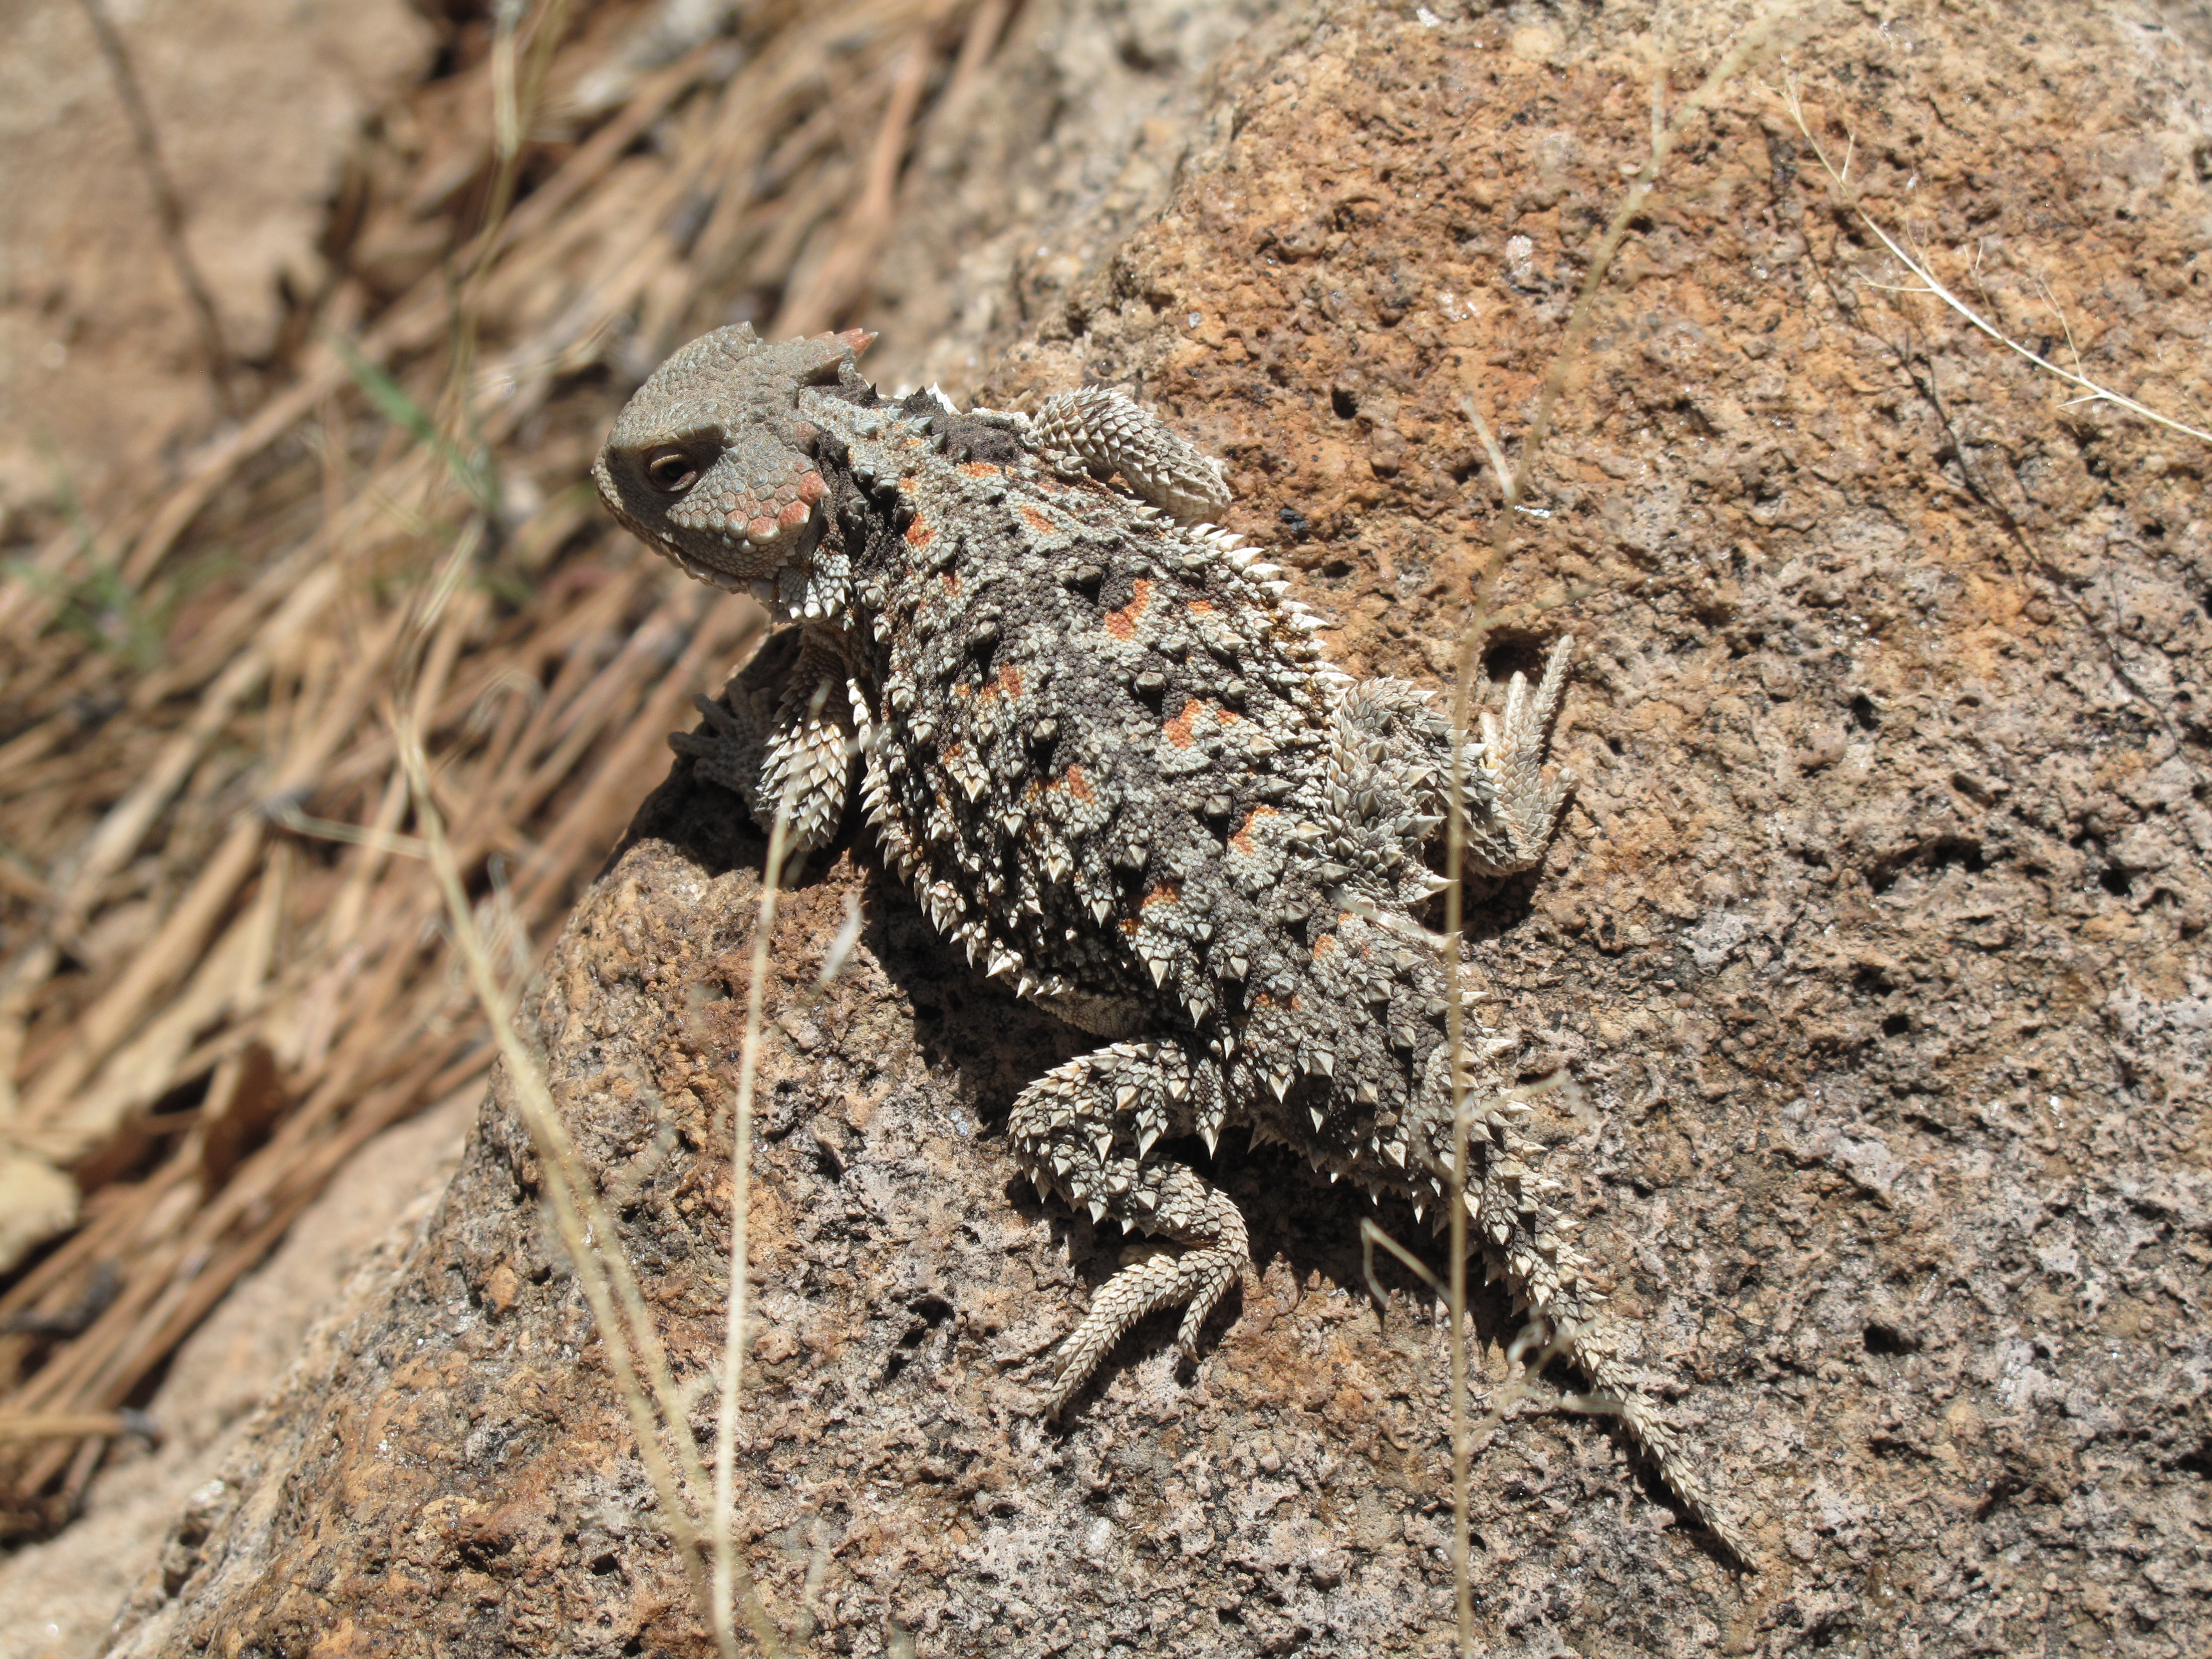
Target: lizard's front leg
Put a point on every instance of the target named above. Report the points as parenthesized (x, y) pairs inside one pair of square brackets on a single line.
[(784, 729), (1084, 1130)]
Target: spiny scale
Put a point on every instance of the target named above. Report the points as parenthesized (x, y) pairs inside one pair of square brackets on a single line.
[(1100, 740)]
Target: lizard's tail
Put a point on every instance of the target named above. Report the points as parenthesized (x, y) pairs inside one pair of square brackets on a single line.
[(1524, 1242), (1590, 1344)]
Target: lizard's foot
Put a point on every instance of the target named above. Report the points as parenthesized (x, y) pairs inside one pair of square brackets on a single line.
[(731, 748), (1392, 756), (1083, 1130), (783, 738), (1511, 806)]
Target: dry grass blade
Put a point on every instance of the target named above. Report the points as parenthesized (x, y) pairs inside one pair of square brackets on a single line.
[(64, 1426), (589, 1235), (227, 960), (729, 1572), (1925, 282)]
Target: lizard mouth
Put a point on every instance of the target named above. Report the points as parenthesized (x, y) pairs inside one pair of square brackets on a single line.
[(726, 580)]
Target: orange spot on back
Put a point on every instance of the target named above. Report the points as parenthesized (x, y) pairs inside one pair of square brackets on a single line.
[(979, 469), (921, 533), (952, 582), (1242, 840), (1037, 521), (1201, 607), (1166, 893), (1077, 785), (1324, 946), (1007, 684), (1123, 623), (1177, 731)]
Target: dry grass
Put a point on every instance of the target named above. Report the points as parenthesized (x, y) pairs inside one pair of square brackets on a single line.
[(1921, 269), (353, 632), (635, 1355)]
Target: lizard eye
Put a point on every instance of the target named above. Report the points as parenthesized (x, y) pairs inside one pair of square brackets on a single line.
[(671, 470)]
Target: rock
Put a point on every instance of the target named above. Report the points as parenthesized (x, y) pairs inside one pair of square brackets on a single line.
[(1873, 944)]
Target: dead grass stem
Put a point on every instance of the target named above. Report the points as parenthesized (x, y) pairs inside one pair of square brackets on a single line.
[(273, 889), (1846, 195)]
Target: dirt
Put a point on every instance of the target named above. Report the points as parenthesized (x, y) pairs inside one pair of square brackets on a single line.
[(103, 376), (1873, 944)]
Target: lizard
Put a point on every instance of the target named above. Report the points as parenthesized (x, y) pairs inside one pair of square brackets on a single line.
[(1098, 736)]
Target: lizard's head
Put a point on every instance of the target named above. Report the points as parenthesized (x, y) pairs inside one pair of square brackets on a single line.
[(710, 461)]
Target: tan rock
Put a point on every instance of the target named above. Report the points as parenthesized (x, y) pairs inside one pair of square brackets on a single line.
[(254, 104), (1891, 1070)]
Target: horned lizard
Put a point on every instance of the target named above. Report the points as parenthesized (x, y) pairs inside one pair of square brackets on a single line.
[(1100, 740)]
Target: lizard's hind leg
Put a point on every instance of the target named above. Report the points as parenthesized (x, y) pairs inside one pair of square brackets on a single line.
[(1084, 1130)]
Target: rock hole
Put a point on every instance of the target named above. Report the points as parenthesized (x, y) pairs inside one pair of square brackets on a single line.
[(1957, 852), (1510, 654), (932, 1310)]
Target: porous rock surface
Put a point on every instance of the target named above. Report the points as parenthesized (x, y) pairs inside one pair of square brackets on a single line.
[(1874, 942)]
